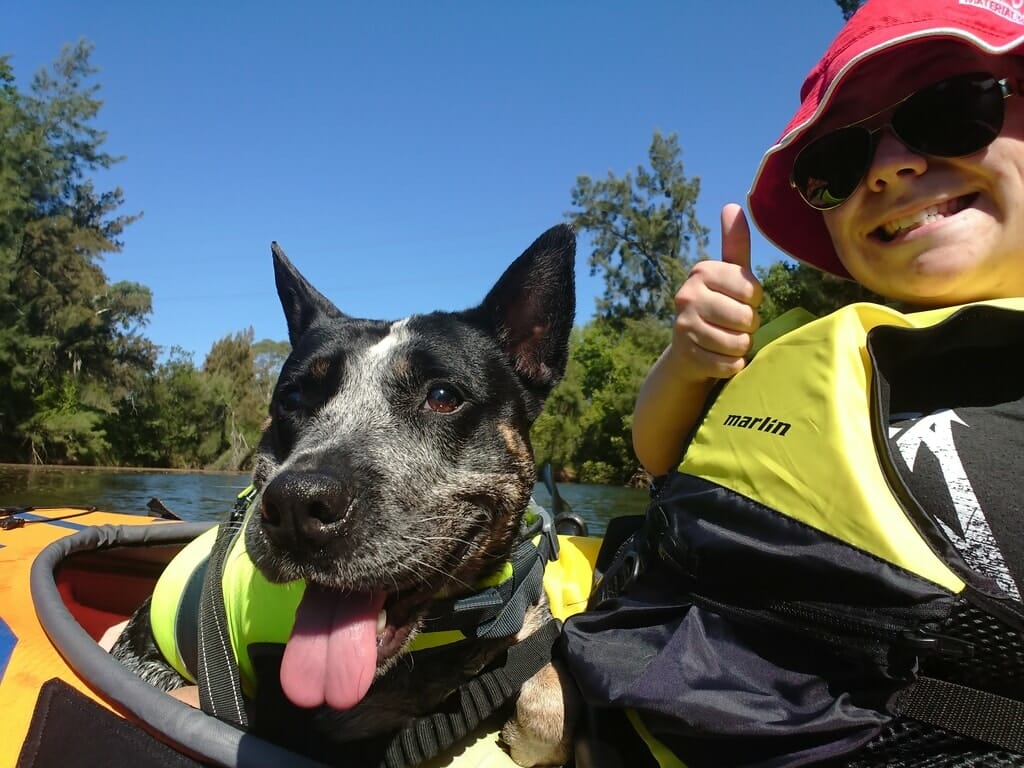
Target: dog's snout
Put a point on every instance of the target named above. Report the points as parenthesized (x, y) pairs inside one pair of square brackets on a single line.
[(301, 510)]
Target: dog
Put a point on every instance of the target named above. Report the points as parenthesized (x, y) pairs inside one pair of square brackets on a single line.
[(393, 475)]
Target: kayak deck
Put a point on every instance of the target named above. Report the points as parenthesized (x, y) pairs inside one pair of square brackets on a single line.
[(99, 590)]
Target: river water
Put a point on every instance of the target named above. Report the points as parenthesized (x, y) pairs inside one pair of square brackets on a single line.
[(201, 496)]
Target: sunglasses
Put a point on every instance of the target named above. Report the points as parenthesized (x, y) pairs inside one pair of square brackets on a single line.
[(950, 118)]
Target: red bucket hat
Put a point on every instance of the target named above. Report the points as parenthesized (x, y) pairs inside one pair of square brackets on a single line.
[(994, 26)]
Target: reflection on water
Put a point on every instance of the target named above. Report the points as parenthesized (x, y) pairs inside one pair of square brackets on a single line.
[(192, 496), (208, 496)]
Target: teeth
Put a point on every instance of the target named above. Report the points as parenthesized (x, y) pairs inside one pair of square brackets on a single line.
[(915, 220), (382, 621)]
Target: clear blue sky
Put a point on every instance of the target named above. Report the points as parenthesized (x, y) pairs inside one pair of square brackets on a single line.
[(403, 153)]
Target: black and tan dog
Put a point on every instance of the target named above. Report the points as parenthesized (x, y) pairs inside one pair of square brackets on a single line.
[(393, 475)]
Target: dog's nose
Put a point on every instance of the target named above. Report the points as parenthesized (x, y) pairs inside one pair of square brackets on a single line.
[(301, 510)]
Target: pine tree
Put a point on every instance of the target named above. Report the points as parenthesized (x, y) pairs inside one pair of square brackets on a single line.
[(70, 340), (644, 232)]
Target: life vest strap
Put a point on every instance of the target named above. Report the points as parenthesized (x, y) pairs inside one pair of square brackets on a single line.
[(979, 715), (220, 685)]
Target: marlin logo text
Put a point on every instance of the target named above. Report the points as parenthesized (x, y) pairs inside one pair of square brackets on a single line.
[(760, 423)]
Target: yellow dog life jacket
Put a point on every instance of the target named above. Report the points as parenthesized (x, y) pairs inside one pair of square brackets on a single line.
[(259, 611)]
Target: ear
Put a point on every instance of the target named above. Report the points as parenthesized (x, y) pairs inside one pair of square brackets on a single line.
[(302, 303), (531, 309)]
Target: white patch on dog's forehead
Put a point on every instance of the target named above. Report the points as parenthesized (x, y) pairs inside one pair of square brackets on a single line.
[(397, 333), (361, 405)]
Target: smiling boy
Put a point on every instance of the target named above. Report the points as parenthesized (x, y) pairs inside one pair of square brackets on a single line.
[(849, 587)]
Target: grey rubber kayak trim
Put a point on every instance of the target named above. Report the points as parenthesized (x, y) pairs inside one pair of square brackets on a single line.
[(188, 730)]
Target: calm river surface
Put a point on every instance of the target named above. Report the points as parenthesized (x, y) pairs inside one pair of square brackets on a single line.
[(208, 496)]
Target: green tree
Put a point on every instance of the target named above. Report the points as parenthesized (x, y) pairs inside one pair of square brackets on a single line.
[(586, 425), (230, 368), (615, 363), (644, 232), (645, 237), (22, 155), (788, 285), (556, 433), (71, 341), (208, 417), (191, 412), (177, 420), (61, 428)]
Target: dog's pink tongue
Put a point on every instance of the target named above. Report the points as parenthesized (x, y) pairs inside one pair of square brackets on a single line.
[(331, 656)]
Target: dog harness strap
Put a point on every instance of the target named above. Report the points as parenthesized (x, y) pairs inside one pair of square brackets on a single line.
[(970, 712), (528, 657), (428, 736), (528, 569), (220, 687), (529, 559), (498, 610)]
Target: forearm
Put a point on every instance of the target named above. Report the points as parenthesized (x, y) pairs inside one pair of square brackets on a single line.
[(667, 408)]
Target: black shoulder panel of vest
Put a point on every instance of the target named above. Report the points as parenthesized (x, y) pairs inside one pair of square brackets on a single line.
[(970, 359), (969, 356)]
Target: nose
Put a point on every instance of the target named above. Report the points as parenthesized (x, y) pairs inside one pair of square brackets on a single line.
[(302, 511), (893, 161)]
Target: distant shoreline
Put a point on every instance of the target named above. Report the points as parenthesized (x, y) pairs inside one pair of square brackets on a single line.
[(135, 470)]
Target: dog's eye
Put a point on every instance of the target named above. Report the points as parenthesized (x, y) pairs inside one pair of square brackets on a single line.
[(291, 399), (442, 398)]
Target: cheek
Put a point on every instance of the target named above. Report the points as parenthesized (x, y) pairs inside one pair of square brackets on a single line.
[(838, 228), (1004, 164), (833, 220), (856, 259)]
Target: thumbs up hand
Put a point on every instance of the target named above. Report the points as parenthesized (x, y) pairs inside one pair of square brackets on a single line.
[(716, 308)]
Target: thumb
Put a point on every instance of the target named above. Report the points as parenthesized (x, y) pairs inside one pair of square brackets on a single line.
[(735, 236)]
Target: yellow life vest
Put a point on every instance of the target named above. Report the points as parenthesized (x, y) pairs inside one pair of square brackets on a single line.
[(794, 431), (792, 598)]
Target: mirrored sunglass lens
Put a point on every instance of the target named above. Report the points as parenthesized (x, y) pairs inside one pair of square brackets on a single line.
[(953, 118), (828, 170)]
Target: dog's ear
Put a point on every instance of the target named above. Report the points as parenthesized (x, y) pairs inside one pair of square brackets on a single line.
[(302, 303), (531, 308)]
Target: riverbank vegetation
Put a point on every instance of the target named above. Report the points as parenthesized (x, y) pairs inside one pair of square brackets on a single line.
[(84, 385)]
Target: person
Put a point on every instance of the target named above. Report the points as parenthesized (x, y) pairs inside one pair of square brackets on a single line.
[(872, 180), (838, 536)]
